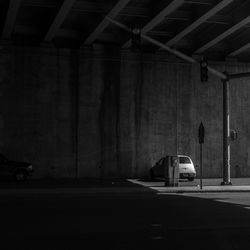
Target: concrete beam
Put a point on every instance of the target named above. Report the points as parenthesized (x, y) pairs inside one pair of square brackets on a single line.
[(158, 18), (93, 7), (61, 15), (240, 50), (199, 2), (100, 28), (130, 11), (162, 33), (32, 30), (199, 21), (10, 18), (228, 32)]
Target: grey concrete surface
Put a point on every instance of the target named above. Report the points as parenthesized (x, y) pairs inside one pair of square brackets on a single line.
[(208, 185), (117, 186), (128, 220), (102, 112)]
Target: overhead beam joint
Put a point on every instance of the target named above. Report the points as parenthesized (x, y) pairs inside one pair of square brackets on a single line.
[(158, 18), (102, 26), (61, 15), (10, 18)]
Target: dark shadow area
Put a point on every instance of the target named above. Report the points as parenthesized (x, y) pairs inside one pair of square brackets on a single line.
[(150, 180), (9, 182), (160, 180), (47, 183), (119, 222)]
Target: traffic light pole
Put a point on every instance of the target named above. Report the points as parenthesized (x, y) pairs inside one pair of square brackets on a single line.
[(226, 133), (226, 125), (170, 50), (225, 79)]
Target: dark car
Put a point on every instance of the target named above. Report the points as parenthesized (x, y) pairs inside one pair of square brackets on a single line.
[(18, 170)]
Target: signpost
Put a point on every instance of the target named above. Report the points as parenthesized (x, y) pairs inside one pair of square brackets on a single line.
[(201, 141)]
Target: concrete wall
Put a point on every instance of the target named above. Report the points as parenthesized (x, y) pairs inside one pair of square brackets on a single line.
[(37, 109), (106, 113)]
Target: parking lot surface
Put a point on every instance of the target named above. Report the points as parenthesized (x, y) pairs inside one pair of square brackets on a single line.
[(120, 215)]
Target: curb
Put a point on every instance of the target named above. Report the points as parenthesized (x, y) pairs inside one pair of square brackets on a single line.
[(194, 189), (201, 191), (206, 189)]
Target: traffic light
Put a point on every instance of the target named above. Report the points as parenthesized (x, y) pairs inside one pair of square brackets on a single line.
[(203, 69), (135, 39)]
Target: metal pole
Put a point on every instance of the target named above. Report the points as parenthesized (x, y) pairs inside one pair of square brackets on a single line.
[(226, 131), (200, 165), (225, 79), (173, 51), (173, 171), (239, 75)]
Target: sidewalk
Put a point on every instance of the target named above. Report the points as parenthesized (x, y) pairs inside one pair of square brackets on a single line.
[(209, 185)]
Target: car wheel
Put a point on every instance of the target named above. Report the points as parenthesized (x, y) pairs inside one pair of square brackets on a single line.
[(152, 176), (191, 178), (20, 175)]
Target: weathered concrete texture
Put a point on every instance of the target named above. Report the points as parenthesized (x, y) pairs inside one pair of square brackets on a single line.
[(240, 121), (89, 144), (104, 113), (99, 94), (172, 102), (37, 105), (148, 112), (206, 105)]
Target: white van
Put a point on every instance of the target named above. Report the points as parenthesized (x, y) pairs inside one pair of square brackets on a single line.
[(186, 168)]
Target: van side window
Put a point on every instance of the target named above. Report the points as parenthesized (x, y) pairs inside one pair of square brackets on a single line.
[(184, 160)]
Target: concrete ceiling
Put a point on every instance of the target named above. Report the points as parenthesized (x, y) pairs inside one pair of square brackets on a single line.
[(218, 29)]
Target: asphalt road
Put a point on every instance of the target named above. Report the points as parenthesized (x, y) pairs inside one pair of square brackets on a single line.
[(135, 218)]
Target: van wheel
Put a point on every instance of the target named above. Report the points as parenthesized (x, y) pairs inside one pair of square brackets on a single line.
[(20, 175), (191, 178)]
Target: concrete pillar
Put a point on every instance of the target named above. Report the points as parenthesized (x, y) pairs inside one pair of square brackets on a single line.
[(171, 170)]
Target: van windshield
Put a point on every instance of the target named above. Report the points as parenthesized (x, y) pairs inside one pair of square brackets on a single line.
[(184, 160)]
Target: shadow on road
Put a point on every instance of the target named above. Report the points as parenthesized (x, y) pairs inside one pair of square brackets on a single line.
[(119, 222), (9, 183)]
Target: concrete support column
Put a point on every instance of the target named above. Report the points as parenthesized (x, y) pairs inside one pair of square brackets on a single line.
[(226, 133)]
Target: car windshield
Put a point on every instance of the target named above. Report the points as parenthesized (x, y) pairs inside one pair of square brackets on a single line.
[(184, 160), (160, 161)]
